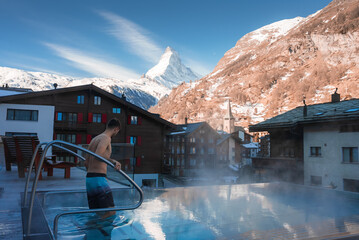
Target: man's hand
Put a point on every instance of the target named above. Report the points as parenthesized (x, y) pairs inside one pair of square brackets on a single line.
[(117, 165)]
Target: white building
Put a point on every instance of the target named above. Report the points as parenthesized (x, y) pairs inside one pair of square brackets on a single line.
[(331, 157), (21, 119)]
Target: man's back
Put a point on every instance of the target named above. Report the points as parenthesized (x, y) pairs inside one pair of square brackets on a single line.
[(100, 145)]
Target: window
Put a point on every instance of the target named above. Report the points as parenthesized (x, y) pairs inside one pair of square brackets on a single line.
[(182, 148), (59, 116), (202, 140), (133, 140), (134, 120), (350, 154), (80, 99), (192, 150), (192, 162), (351, 185), (96, 118), (192, 140), (97, 100), (62, 116), (22, 115), (116, 110), (210, 150), (315, 151), (316, 180), (71, 138), (178, 162), (72, 117), (178, 150), (211, 140), (202, 151)]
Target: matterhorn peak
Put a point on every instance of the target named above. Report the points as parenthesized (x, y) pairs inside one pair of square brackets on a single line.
[(170, 71)]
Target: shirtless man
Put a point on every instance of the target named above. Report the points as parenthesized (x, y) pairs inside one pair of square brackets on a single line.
[(99, 194)]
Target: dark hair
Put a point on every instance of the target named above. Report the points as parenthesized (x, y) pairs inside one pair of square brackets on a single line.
[(114, 122)]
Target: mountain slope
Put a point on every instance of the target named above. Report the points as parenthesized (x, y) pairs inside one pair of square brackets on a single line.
[(143, 92), (272, 69)]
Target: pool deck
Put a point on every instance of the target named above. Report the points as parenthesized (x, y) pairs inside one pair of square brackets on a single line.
[(11, 186)]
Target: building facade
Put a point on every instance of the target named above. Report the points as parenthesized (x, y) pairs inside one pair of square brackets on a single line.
[(315, 145), (190, 149)]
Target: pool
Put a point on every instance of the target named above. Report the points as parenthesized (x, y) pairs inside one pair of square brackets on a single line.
[(247, 211)]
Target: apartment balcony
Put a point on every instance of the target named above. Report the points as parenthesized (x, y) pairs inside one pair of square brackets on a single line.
[(277, 163), (64, 125)]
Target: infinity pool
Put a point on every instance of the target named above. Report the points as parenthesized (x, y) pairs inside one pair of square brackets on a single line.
[(248, 211)]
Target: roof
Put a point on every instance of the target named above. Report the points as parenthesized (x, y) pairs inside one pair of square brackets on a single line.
[(87, 87), (6, 91), (223, 138), (250, 145), (185, 129), (317, 113)]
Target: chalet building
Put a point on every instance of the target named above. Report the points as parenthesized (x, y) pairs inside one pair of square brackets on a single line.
[(315, 145), (81, 112), (190, 149)]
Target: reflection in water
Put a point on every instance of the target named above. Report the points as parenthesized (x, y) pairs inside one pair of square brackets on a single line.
[(235, 212)]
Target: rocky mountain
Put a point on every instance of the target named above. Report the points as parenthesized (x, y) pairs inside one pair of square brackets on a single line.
[(144, 92), (272, 69), (170, 71)]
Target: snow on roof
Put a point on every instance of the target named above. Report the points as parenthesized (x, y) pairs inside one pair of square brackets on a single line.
[(250, 145)]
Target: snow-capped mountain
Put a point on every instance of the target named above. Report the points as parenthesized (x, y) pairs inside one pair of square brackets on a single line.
[(144, 92), (272, 69), (170, 71)]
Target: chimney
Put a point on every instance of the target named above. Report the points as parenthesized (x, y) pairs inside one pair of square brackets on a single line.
[(335, 96), (55, 85), (186, 120), (305, 110)]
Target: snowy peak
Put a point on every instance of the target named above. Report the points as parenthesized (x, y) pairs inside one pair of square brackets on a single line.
[(170, 71)]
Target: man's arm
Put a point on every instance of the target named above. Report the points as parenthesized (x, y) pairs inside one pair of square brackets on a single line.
[(102, 151)]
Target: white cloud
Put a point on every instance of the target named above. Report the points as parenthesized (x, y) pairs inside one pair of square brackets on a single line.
[(94, 65), (134, 36)]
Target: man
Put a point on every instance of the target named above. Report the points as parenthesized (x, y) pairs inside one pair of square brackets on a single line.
[(99, 194)]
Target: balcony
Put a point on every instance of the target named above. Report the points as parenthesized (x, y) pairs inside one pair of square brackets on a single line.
[(66, 125), (277, 163)]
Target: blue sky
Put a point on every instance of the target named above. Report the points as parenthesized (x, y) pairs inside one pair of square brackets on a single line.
[(118, 38)]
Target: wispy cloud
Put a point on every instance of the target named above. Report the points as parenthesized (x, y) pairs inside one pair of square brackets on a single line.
[(90, 64), (134, 36)]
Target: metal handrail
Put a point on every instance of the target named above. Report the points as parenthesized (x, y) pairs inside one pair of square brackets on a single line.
[(55, 144), (33, 161)]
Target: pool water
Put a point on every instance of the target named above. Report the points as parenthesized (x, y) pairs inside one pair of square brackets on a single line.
[(248, 211)]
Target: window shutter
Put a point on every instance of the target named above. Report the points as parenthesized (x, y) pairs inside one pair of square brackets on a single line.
[(80, 117), (139, 120), (104, 118), (88, 139), (138, 162), (56, 114), (78, 138), (129, 119), (89, 119), (139, 140), (128, 139)]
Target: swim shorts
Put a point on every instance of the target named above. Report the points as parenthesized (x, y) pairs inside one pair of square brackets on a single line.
[(99, 194)]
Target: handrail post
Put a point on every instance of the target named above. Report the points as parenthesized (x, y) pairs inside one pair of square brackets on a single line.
[(34, 186), (30, 170)]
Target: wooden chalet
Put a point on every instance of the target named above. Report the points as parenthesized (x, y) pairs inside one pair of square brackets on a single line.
[(82, 112)]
